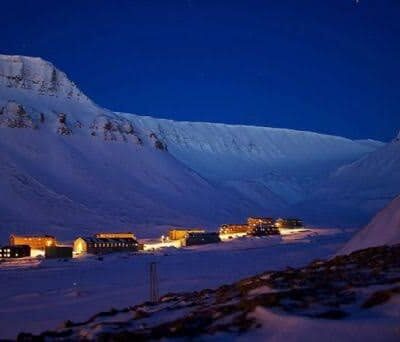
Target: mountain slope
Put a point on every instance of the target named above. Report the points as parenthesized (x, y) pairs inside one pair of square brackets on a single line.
[(384, 229), (221, 152), (70, 165), (257, 160), (357, 191)]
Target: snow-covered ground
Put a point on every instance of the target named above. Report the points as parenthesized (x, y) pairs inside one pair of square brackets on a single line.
[(378, 324), (384, 229), (36, 296)]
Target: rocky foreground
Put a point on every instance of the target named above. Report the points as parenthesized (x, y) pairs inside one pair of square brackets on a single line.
[(333, 289)]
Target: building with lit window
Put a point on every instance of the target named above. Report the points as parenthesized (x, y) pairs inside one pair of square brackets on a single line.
[(94, 245), (289, 223), (19, 251), (179, 234), (33, 241), (261, 226), (201, 238), (118, 235), (232, 231), (233, 228), (257, 221), (263, 230)]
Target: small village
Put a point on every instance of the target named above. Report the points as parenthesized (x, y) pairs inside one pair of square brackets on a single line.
[(24, 246)]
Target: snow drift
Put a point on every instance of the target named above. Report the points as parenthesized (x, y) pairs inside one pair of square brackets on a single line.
[(384, 229)]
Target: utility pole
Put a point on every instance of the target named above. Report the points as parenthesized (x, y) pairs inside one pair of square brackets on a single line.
[(154, 295)]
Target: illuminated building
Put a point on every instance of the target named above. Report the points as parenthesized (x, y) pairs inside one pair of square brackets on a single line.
[(33, 241), (201, 238), (118, 235), (288, 223), (19, 251), (179, 234), (94, 245)]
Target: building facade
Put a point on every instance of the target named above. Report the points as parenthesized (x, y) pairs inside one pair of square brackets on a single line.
[(33, 241), (19, 251), (58, 252), (257, 221), (262, 226), (227, 229), (264, 230), (118, 235), (289, 223), (95, 245), (202, 238), (179, 234)]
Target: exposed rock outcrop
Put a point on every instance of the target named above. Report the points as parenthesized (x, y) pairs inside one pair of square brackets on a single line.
[(38, 75), (158, 144), (14, 115), (63, 128)]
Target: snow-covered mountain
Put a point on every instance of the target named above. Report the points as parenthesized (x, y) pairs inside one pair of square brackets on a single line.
[(70, 165), (360, 189), (38, 76), (252, 159), (233, 152), (384, 229)]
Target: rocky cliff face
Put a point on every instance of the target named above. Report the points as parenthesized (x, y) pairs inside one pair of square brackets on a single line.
[(36, 95), (39, 76)]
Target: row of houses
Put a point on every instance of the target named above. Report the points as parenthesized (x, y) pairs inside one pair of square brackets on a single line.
[(21, 246), (259, 226), (108, 242)]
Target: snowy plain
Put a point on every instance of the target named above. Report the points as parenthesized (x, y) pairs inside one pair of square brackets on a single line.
[(40, 295)]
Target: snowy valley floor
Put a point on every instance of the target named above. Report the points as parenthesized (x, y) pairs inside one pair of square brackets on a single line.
[(40, 295)]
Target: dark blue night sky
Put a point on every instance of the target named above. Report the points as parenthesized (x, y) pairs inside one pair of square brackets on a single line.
[(325, 66)]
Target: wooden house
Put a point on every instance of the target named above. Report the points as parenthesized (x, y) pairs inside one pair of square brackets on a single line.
[(95, 245), (33, 241), (19, 251)]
